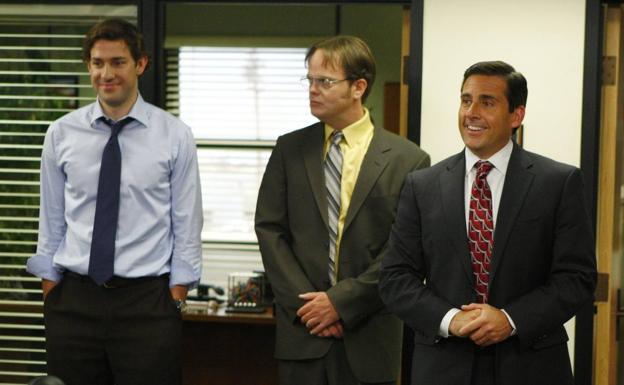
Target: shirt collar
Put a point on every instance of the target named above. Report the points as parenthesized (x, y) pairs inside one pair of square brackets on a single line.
[(138, 112), (500, 160), (355, 132)]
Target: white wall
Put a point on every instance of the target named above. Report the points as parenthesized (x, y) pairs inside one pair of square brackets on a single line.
[(543, 39)]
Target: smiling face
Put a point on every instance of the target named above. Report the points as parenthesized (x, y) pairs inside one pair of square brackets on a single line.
[(114, 76), (485, 123), (339, 105)]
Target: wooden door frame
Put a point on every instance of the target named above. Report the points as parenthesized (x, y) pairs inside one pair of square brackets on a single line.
[(608, 242), (590, 135), (606, 204)]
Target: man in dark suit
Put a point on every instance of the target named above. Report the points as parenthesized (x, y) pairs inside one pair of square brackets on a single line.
[(492, 250), (325, 209)]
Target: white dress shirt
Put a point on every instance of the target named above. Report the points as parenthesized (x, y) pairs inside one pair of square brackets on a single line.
[(495, 179)]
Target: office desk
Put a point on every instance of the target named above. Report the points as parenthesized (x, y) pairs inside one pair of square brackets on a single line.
[(228, 348)]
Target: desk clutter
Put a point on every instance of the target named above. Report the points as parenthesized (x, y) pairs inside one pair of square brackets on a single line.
[(247, 292)]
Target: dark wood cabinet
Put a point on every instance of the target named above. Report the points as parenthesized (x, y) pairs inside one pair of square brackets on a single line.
[(229, 349)]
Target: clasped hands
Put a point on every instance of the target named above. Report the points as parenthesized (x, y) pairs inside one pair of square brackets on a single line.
[(482, 323), (319, 315)]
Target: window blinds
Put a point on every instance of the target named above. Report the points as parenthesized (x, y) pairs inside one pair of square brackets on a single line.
[(42, 78), (237, 100)]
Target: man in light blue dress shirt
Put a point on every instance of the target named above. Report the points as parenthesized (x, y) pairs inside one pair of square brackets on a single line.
[(126, 331)]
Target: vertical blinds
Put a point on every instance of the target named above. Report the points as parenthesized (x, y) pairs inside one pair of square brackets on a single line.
[(41, 78), (237, 100)]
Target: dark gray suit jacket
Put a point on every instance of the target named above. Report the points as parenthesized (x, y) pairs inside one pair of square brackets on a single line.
[(292, 230), (543, 268)]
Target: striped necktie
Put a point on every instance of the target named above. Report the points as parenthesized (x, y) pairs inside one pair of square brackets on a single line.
[(102, 258), (481, 230), (333, 175)]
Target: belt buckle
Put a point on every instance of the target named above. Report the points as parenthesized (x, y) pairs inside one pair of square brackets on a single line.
[(109, 285)]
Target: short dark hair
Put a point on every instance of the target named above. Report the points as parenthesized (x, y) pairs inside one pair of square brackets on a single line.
[(517, 91), (351, 54), (114, 29)]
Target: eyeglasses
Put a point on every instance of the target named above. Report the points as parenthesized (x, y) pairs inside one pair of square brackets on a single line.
[(324, 83)]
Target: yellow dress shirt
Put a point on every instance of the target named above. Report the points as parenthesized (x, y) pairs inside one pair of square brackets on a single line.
[(356, 139)]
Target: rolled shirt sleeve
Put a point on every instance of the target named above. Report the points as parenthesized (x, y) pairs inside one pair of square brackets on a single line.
[(52, 225), (186, 215)]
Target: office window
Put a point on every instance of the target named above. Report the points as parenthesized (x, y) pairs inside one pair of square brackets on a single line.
[(237, 102)]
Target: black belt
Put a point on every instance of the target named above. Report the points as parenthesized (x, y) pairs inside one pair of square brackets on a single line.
[(116, 281)]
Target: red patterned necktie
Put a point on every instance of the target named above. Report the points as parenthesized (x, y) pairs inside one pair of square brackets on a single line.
[(481, 229)]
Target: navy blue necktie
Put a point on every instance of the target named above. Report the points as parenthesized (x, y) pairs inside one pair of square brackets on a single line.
[(101, 262)]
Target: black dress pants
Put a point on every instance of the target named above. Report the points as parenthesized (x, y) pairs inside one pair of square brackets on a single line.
[(483, 368), (126, 335)]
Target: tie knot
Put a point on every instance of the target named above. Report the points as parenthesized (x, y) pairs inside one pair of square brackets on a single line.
[(483, 168), (336, 137), (118, 125)]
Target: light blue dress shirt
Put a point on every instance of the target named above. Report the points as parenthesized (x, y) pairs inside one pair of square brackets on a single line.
[(160, 209)]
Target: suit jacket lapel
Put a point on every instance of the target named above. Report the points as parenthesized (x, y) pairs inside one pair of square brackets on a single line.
[(518, 180), (312, 152), (373, 164), (453, 205)]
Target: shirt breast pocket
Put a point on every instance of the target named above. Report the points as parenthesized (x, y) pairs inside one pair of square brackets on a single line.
[(148, 174)]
